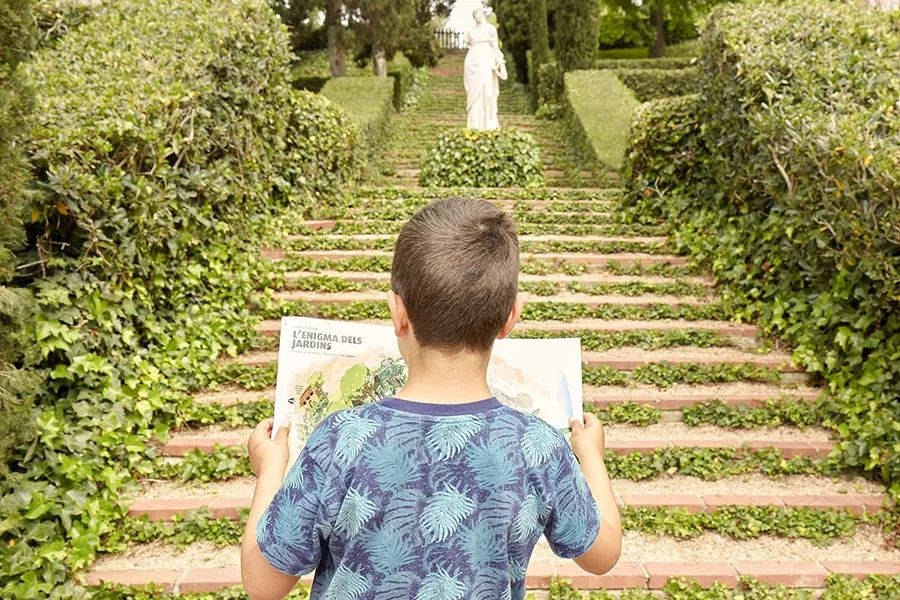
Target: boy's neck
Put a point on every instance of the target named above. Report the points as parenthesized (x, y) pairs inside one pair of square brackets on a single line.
[(439, 378)]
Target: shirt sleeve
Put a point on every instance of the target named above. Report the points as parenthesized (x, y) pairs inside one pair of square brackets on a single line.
[(574, 517), (294, 528)]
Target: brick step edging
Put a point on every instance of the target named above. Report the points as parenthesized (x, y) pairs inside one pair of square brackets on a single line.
[(625, 575), (164, 509), (178, 446)]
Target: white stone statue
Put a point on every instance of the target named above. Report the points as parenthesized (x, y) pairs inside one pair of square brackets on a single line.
[(484, 68)]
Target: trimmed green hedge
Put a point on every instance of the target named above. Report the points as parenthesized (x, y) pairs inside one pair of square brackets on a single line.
[(652, 84), (666, 63), (369, 102), (549, 85), (16, 39), (785, 182), (598, 110), (166, 138), (470, 158), (311, 72)]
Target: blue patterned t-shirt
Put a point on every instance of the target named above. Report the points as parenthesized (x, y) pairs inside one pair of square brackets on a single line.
[(403, 500)]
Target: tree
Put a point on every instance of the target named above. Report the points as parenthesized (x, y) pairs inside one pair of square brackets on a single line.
[(515, 32), (303, 18), (334, 31), (384, 27), (540, 37), (670, 21), (577, 24), (658, 49)]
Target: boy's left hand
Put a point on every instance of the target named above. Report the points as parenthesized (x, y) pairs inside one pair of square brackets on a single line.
[(268, 454)]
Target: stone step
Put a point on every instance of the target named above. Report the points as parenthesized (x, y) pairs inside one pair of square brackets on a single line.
[(163, 509), (625, 575), (180, 445), (600, 239), (272, 327), (556, 278), (624, 259), (587, 300)]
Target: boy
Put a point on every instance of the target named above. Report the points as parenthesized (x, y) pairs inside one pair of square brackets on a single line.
[(441, 491)]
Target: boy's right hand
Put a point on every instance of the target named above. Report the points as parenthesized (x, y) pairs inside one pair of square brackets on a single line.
[(588, 440)]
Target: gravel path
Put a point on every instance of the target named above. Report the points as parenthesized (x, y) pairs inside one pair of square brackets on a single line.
[(680, 431), (749, 483), (554, 277), (234, 395), (686, 353), (702, 392), (867, 544), (239, 487), (214, 431), (569, 297)]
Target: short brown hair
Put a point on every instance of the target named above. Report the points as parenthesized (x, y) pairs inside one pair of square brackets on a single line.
[(456, 268)]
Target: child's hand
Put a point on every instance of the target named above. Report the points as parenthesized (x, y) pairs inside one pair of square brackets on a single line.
[(588, 440), (268, 454)]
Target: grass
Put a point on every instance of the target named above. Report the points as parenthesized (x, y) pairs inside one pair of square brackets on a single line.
[(687, 49), (603, 106), (363, 98)]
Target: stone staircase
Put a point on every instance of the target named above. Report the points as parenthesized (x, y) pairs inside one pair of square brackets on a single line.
[(583, 273)]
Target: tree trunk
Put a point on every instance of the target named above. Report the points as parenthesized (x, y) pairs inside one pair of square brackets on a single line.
[(658, 49), (337, 53), (379, 60)]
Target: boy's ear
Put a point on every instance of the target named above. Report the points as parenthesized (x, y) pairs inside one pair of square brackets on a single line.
[(513, 318), (398, 314)]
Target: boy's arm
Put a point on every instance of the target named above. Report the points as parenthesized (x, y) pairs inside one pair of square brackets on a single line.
[(269, 459), (588, 445)]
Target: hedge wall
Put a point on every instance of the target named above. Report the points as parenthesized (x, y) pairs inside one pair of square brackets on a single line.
[(159, 150), (800, 135), (652, 84), (597, 110), (369, 103), (665, 63), (576, 33), (16, 38)]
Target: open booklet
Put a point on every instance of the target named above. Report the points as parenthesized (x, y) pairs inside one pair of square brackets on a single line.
[(324, 366)]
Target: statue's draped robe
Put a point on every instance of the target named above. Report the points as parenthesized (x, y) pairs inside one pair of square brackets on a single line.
[(481, 79)]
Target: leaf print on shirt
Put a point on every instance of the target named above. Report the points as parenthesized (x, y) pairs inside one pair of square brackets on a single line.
[(403, 510), (492, 465), (539, 443), (346, 585), (480, 543), (393, 467), (447, 438), (355, 511), (398, 586), (443, 514), (490, 584), (387, 550), (529, 518), (441, 585), (516, 571), (353, 432)]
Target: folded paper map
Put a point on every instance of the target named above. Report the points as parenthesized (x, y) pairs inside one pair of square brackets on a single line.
[(324, 366)]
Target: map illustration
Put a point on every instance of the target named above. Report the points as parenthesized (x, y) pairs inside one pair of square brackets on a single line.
[(325, 366)]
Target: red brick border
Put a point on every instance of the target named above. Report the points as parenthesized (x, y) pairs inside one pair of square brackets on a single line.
[(704, 573), (806, 574), (179, 446)]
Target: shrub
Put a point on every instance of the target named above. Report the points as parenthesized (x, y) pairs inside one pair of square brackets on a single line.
[(667, 63), (311, 72), (652, 84), (54, 18), (470, 158), (598, 110), (16, 381), (804, 143), (158, 149), (539, 39), (369, 102), (514, 29), (576, 33), (550, 85)]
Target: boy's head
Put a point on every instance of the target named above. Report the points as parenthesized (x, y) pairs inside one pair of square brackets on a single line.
[(456, 272)]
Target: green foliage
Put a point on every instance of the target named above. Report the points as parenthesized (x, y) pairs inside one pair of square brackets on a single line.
[(623, 25), (496, 158), (16, 379), (641, 415), (55, 19), (539, 41), (514, 29), (600, 341), (711, 464), (577, 23), (666, 63), (550, 86), (651, 84), (181, 530), (665, 375), (774, 412), (598, 110), (805, 170), (241, 414), (821, 527), (199, 466), (369, 102), (150, 592), (158, 152)]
